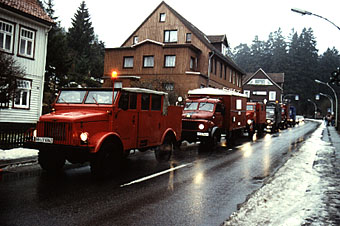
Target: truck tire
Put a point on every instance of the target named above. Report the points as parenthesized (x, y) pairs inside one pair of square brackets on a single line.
[(50, 160), (107, 160), (164, 151)]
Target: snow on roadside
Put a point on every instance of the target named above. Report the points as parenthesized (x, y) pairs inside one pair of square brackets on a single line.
[(17, 153), (293, 196)]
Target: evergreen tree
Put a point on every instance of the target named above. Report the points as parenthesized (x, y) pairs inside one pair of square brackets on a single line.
[(57, 61), (86, 52)]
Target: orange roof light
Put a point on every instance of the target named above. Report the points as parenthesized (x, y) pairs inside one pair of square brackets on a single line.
[(114, 74)]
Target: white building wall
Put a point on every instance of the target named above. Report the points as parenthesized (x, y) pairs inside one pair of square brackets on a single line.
[(34, 69)]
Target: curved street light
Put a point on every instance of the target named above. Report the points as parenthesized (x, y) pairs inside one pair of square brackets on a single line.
[(305, 12), (336, 100), (315, 107), (330, 99)]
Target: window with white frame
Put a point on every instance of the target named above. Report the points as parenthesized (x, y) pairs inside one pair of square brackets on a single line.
[(170, 61), (128, 62), (230, 75), (170, 36), (6, 36), (148, 61), (23, 94), (26, 44), (272, 95), (192, 63)]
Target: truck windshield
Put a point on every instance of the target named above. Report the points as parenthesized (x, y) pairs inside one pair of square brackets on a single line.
[(270, 111), (99, 97), (206, 107), (250, 107), (189, 106), (71, 96)]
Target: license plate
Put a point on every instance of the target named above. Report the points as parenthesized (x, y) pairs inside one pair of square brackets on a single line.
[(47, 140), (200, 134)]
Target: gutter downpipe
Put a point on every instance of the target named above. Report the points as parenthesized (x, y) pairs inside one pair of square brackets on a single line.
[(209, 67)]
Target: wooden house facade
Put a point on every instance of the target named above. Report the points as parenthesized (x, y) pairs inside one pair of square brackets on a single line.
[(169, 53), (264, 87), (24, 28)]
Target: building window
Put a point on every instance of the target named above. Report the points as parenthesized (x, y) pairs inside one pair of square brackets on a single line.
[(188, 37), (192, 63), (23, 94), (148, 61), (168, 86), (6, 36), (221, 69), (170, 36), (135, 39), (230, 75), (225, 72), (26, 44), (128, 62), (239, 104), (234, 77), (170, 61), (260, 81), (162, 17), (272, 95)]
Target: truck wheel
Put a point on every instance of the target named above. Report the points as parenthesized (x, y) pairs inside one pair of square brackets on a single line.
[(164, 151), (107, 160), (50, 160)]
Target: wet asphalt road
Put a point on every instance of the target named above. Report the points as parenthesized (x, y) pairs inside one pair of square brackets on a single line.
[(193, 189)]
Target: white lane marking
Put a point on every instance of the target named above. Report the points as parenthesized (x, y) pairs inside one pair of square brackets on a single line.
[(155, 175)]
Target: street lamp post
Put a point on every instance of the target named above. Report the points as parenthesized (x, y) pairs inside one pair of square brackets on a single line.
[(304, 12), (315, 107), (336, 100), (330, 99)]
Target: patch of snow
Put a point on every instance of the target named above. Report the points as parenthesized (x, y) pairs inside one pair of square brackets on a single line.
[(293, 196), (17, 153)]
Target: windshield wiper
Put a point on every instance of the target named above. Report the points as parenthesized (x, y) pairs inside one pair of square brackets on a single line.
[(94, 100)]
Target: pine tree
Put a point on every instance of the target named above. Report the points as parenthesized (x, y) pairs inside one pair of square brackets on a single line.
[(86, 52)]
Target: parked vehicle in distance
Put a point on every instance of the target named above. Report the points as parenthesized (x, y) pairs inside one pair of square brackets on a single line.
[(256, 117), (102, 126), (210, 113), (300, 119), (273, 116), (292, 116), (284, 115)]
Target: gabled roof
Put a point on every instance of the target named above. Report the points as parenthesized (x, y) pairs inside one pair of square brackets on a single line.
[(218, 39), (273, 77), (198, 33), (27, 8)]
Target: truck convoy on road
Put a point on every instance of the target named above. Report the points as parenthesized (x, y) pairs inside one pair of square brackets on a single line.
[(102, 125)]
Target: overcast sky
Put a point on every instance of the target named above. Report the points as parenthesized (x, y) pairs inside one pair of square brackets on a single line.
[(240, 20)]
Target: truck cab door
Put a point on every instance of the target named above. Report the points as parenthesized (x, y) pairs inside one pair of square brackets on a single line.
[(219, 115), (126, 119)]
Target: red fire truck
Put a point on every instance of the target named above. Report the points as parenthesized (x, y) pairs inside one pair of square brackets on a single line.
[(210, 112), (101, 126), (256, 117)]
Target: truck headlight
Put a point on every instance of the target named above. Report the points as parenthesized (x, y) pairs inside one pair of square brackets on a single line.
[(201, 126), (269, 121), (84, 137), (249, 121)]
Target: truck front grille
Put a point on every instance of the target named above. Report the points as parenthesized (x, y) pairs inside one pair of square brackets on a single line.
[(189, 125), (59, 131)]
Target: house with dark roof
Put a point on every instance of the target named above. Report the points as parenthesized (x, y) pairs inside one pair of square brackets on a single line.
[(24, 28), (263, 87), (169, 53)]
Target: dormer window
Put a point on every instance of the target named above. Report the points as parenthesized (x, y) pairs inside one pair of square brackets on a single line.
[(162, 17)]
